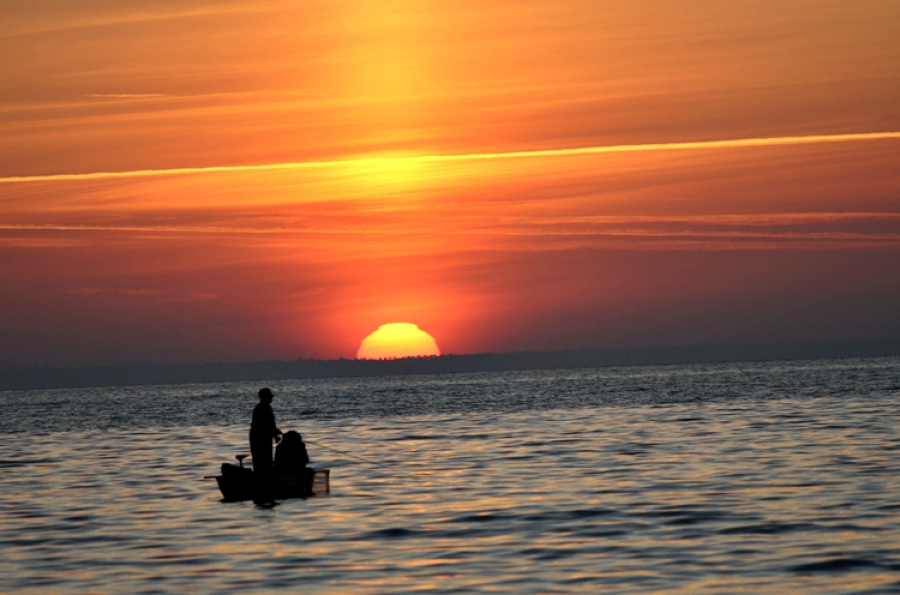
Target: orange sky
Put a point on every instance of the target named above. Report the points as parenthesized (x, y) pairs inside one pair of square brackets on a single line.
[(227, 181)]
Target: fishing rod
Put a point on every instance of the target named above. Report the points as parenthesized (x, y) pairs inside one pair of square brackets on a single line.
[(364, 460)]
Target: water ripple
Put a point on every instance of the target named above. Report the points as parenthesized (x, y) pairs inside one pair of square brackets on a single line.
[(756, 478)]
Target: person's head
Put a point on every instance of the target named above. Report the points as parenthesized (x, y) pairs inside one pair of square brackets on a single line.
[(265, 395)]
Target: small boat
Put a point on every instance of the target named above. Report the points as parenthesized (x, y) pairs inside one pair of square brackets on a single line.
[(236, 483)]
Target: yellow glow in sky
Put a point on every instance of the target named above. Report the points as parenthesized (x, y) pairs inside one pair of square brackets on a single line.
[(201, 181)]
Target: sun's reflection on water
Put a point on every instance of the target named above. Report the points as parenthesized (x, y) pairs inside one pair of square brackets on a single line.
[(735, 496)]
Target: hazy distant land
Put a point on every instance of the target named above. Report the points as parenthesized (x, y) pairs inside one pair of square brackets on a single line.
[(44, 378)]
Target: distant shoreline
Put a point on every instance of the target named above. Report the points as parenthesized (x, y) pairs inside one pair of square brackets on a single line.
[(49, 378)]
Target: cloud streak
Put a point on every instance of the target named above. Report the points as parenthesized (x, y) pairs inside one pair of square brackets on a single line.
[(531, 154), (124, 19)]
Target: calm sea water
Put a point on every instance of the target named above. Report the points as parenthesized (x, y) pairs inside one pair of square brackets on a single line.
[(740, 478)]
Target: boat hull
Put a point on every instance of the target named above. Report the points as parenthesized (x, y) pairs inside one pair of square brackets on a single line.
[(239, 485)]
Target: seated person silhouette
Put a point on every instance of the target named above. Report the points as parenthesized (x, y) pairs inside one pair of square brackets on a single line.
[(291, 458)]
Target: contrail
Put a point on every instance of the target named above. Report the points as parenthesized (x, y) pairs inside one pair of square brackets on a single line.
[(571, 152)]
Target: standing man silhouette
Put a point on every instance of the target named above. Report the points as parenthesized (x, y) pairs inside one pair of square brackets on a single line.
[(262, 432)]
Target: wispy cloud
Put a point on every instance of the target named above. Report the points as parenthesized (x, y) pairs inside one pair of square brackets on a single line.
[(588, 225), (124, 19), (717, 232), (531, 154), (126, 95), (96, 290)]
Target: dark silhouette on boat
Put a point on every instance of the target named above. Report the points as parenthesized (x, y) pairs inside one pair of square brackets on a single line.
[(263, 432), (237, 483), (288, 477)]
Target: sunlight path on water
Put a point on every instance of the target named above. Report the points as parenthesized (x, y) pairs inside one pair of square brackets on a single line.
[(746, 494)]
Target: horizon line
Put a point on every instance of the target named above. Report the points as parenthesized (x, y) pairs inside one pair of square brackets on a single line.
[(567, 350), (566, 152)]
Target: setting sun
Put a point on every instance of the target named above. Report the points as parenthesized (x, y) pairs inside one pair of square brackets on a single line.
[(397, 339)]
